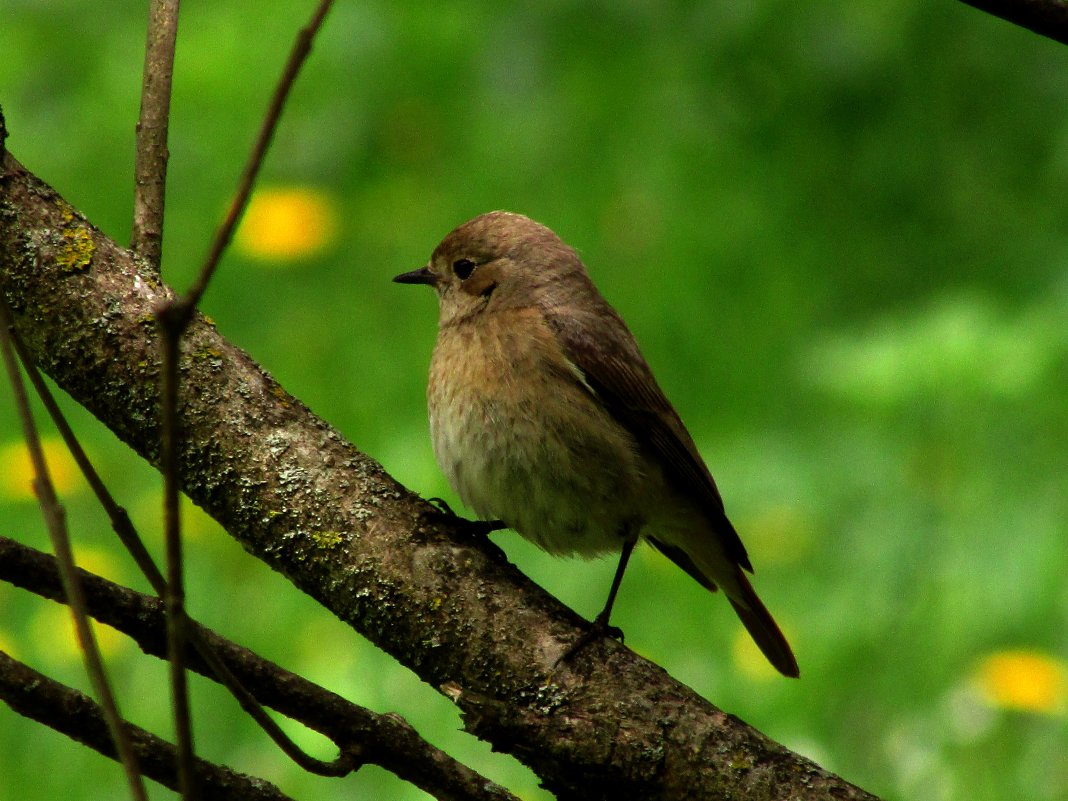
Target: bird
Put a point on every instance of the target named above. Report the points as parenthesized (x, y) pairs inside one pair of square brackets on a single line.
[(545, 416)]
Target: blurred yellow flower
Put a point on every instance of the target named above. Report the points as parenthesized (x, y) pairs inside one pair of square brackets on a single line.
[(52, 627), (7, 644), (1027, 680), (285, 223), (16, 469), (56, 640), (97, 560)]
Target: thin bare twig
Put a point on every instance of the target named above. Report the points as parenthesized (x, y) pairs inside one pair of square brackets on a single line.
[(150, 165), (297, 56), (174, 597), (150, 180), (55, 520), (120, 519), (68, 711)]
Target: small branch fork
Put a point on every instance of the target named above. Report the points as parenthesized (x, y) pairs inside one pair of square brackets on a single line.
[(131, 540)]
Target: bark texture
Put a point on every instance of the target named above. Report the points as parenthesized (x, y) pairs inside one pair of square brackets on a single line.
[(300, 497)]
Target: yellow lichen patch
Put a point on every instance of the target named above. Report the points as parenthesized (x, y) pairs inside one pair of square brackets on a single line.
[(76, 250), (286, 223), (1025, 680), (16, 469), (213, 356), (206, 352), (327, 539)]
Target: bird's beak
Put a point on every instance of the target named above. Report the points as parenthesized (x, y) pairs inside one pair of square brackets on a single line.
[(420, 276)]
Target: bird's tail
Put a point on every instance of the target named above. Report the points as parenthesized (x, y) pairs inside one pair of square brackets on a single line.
[(750, 609), (761, 625)]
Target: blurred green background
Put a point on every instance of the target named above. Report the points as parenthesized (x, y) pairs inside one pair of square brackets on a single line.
[(840, 232)]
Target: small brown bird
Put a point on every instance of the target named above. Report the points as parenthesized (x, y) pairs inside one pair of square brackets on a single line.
[(544, 415)]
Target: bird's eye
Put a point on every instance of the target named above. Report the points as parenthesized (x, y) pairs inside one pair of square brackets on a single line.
[(463, 268)]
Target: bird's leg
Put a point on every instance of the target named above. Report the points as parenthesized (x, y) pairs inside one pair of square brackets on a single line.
[(599, 627)]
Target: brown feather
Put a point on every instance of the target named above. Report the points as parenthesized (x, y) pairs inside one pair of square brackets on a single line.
[(616, 371), (763, 629)]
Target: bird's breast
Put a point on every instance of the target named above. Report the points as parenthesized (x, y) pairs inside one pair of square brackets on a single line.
[(521, 439)]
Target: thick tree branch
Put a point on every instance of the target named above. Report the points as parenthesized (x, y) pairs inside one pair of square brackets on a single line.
[(1045, 17), (66, 710), (384, 740), (303, 499)]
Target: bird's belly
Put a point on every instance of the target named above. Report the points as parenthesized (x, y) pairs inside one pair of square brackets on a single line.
[(566, 495)]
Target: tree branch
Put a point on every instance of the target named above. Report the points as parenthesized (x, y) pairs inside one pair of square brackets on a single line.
[(68, 711), (1045, 17), (56, 521), (131, 540), (384, 740), (150, 165), (303, 499)]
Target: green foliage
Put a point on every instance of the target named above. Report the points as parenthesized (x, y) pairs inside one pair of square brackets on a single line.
[(838, 231)]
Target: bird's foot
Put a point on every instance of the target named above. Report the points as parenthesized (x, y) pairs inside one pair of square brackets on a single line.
[(599, 629), (474, 531), (473, 528)]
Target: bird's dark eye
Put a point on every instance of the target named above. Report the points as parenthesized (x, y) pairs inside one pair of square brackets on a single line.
[(463, 268)]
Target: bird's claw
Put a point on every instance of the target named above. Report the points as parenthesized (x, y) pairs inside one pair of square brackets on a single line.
[(471, 529), (597, 630)]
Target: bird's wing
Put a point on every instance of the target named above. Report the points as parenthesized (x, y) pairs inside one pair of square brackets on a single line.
[(613, 368)]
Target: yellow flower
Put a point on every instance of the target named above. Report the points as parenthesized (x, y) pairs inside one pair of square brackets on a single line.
[(16, 468), (1026, 680), (287, 223)]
